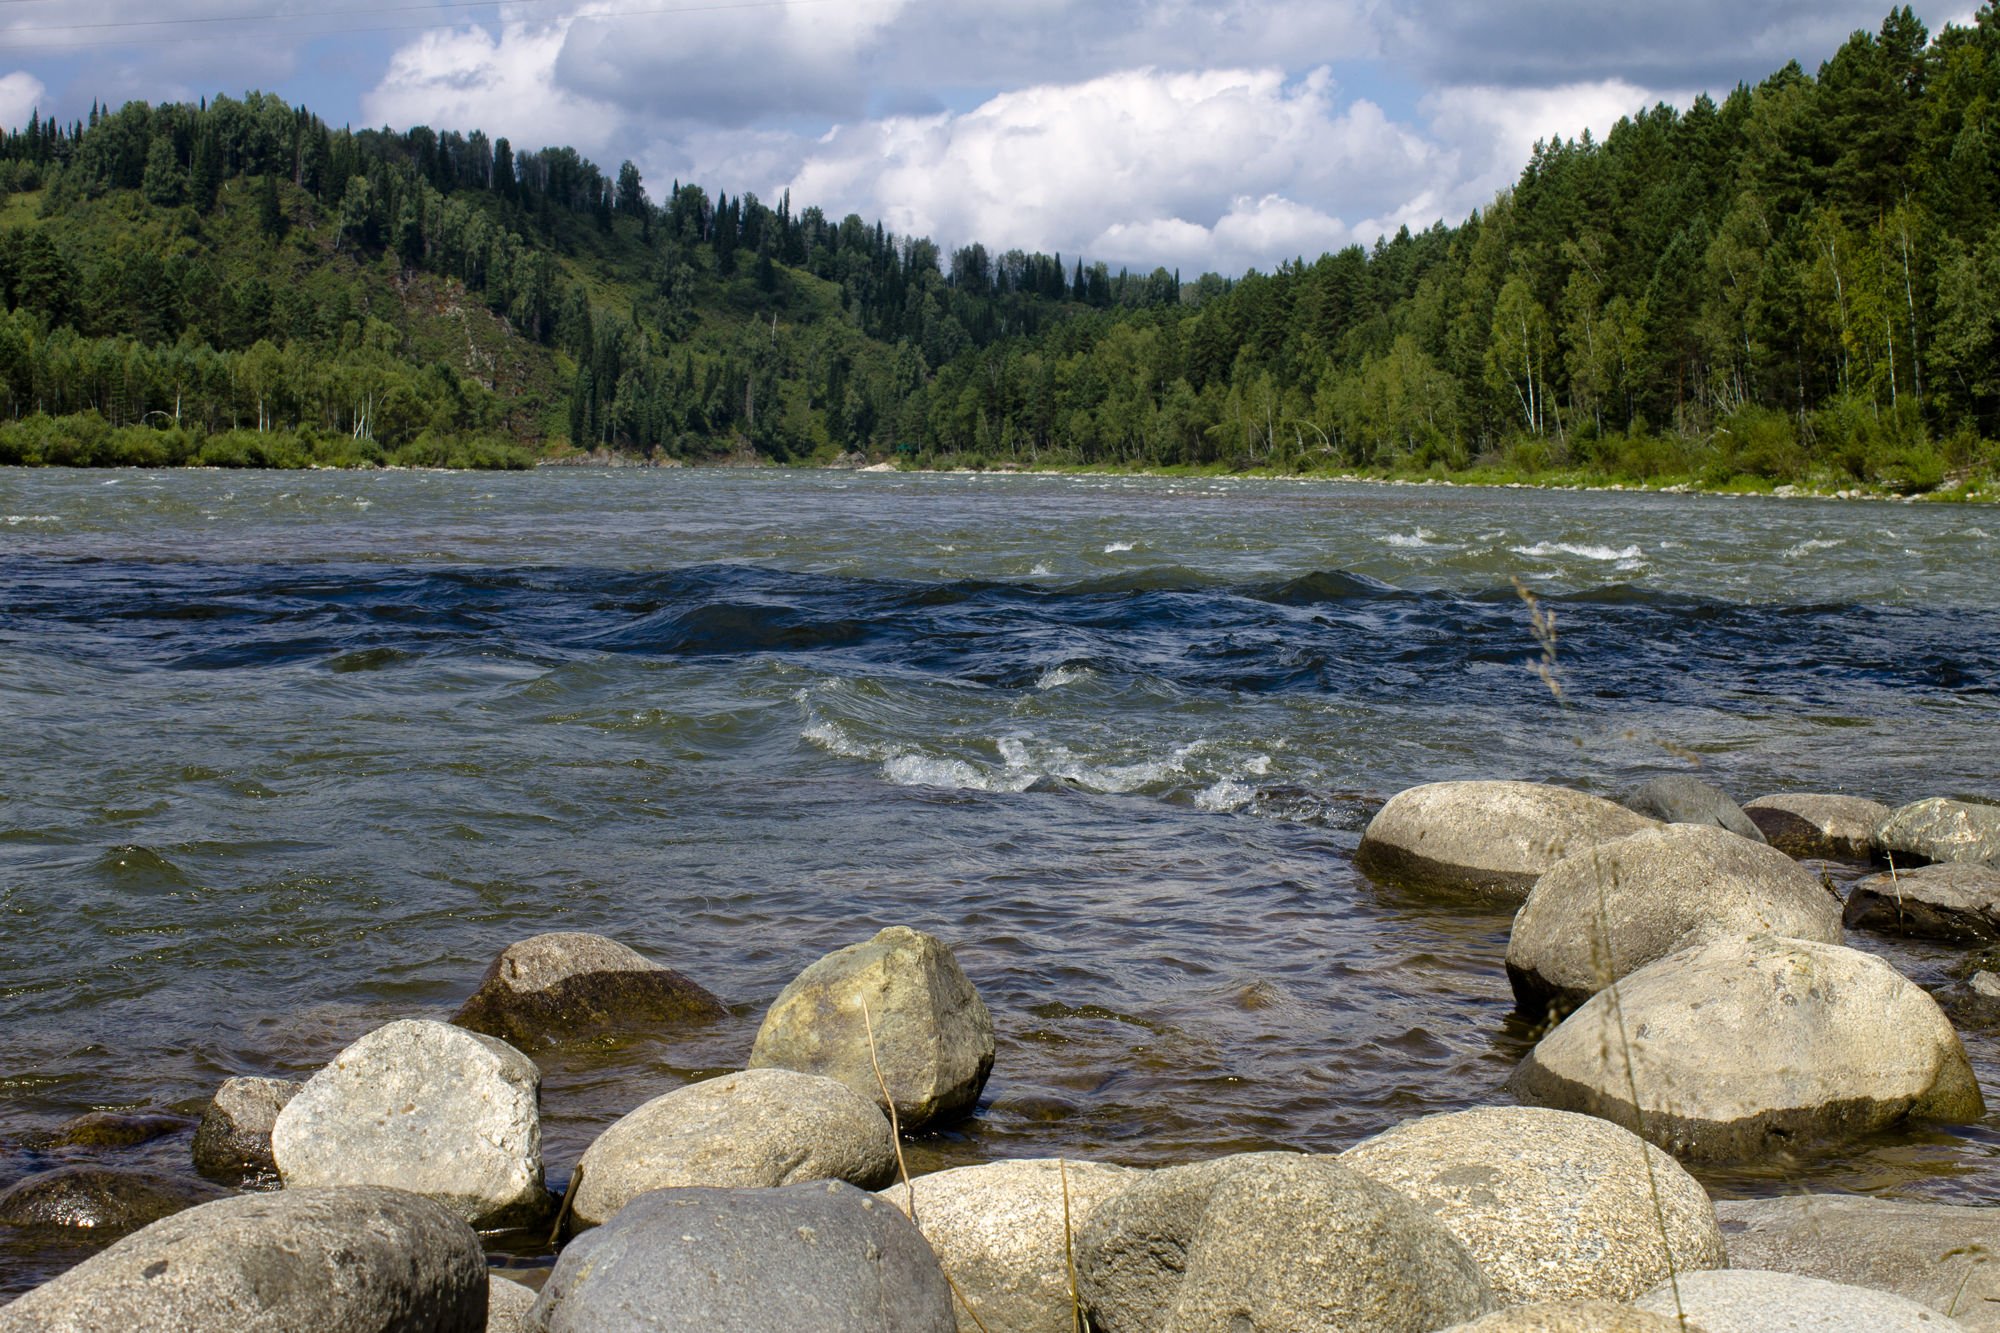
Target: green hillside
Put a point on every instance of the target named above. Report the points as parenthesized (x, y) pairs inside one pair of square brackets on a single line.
[(1798, 283)]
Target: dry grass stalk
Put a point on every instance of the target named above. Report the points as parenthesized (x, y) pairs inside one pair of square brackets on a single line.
[(1069, 1252)]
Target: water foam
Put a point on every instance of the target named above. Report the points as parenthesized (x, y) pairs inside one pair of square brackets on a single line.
[(1581, 550), (1810, 545), (1116, 548), (1421, 537)]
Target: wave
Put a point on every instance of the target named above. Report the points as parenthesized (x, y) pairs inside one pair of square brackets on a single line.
[(1581, 550)]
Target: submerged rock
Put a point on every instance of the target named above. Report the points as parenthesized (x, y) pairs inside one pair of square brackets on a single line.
[(1939, 829), (101, 1198), (1741, 1048), (1749, 1301), (758, 1129), (1819, 826), (998, 1229), (292, 1261), (426, 1107), (933, 1037), (1955, 901), (1609, 909), (567, 984), (116, 1129), (1680, 798), (233, 1142), (1946, 1256), (1269, 1242), (1493, 838), (822, 1257), (1554, 1206)]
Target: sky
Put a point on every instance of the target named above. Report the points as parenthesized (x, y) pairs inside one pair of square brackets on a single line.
[(1203, 136)]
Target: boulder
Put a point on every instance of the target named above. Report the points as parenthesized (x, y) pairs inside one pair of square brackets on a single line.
[(822, 1257), (1941, 830), (1279, 1242), (1681, 798), (933, 1035), (757, 1129), (567, 984), (1554, 1206), (426, 1107), (100, 1198), (1748, 1301), (998, 1229), (1957, 901), (1488, 838), (1609, 909), (293, 1261), (1740, 1048), (1572, 1317), (116, 1129), (1819, 826), (1946, 1256), (233, 1142), (507, 1305)]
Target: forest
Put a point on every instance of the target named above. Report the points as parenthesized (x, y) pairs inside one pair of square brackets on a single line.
[(1798, 283)]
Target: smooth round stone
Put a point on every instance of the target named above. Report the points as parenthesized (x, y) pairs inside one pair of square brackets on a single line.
[(1610, 909), (761, 1128), (568, 984), (1811, 825), (233, 1141), (1745, 1048), (1954, 901), (1485, 837), (1681, 798), (292, 1261), (1940, 829), (1749, 1301), (1554, 1206), (507, 1305), (999, 1231), (100, 1198)]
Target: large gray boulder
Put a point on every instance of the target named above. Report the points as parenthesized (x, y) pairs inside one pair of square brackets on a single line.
[(100, 1198), (1281, 1242), (1554, 1206), (757, 1129), (567, 984), (1939, 829), (1572, 1317), (933, 1037), (1609, 909), (1488, 838), (1682, 798), (1946, 1256), (233, 1141), (998, 1229), (1748, 1301), (1741, 1048), (1957, 901), (822, 1257), (348, 1260), (426, 1107), (1819, 826)]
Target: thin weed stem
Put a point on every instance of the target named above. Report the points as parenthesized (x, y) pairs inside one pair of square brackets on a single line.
[(1069, 1252)]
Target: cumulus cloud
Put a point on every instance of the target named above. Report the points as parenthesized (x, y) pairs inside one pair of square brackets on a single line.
[(502, 83), (20, 94)]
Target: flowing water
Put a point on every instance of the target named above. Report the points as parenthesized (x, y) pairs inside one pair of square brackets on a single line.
[(287, 756)]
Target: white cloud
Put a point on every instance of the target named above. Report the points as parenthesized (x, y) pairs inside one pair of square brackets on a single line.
[(20, 94), (469, 79)]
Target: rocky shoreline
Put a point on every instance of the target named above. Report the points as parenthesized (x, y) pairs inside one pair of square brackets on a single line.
[(1698, 1004)]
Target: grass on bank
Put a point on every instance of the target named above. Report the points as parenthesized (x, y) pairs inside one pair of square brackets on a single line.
[(87, 440)]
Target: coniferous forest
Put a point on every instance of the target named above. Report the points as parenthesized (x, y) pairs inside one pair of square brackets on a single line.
[(1798, 281)]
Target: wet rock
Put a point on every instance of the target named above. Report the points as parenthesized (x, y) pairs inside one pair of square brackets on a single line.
[(1748, 1301), (1492, 838), (102, 1198), (1572, 1317), (1939, 829), (565, 984), (292, 1261), (1946, 1256), (822, 1257), (757, 1129), (1279, 1242), (1819, 826), (998, 1229), (507, 1305), (116, 1129), (426, 1107), (933, 1035), (1554, 1206), (1680, 798), (1741, 1048), (1605, 911), (1955, 900), (233, 1142)]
